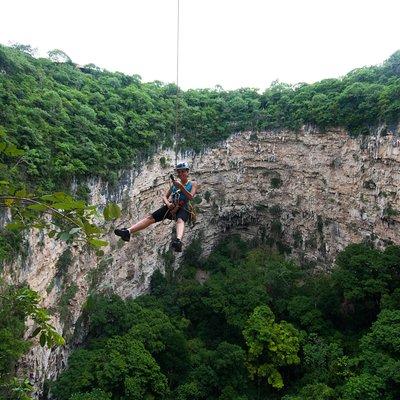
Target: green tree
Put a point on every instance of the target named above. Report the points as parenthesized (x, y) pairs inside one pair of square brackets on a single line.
[(119, 120), (271, 345), (364, 387), (122, 367), (380, 352), (316, 391), (59, 56), (96, 394), (161, 335), (363, 275)]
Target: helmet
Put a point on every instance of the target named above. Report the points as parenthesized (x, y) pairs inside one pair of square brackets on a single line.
[(182, 165)]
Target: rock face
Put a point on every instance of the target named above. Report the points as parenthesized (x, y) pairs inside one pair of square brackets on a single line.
[(314, 193)]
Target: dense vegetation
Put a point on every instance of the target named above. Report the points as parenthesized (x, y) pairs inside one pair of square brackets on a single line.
[(16, 306), (79, 121), (260, 327)]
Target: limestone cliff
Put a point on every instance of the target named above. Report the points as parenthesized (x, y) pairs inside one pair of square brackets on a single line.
[(311, 192)]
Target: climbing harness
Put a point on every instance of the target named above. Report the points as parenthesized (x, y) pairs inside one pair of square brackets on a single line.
[(192, 214), (179, 203)]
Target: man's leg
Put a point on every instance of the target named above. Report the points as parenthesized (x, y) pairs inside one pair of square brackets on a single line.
[(125, 233), (180, 228), (142, 224)]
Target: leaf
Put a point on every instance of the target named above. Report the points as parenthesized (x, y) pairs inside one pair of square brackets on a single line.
[(48, 197), (70, 204), (79, 204), (65, 236), (9, 202), (15, 226), (100, 253), (21, 193), (42, 339), (57, 197), (74, 230), (111, 211), (4, 183), (36, 332), (60, 196), (52, 233), (64, 206), (97, 242), (58, 339), (39, 225), (91, 229), (37, 207), (13, 151)]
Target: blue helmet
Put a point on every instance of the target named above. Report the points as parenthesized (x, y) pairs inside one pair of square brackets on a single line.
[(182, 165)]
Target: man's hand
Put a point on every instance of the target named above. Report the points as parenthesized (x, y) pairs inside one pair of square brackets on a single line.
[(171, 206)]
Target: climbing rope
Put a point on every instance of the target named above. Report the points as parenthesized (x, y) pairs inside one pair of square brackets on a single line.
[(190, 208), (177, 99)]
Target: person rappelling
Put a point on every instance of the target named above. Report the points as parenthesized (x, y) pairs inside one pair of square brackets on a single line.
[(176, 207)]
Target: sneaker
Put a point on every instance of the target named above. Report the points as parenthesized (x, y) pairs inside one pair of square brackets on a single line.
[(177, 245), (124, 234)]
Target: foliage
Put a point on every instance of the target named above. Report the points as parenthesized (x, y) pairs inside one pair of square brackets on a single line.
[(271, 345), (157, 343), (63, 263), (276, 182), (363, 276), (71, 219), (206, 338), (122, 367), (96, 394), (75, 121), (363, 387), (380, 360), (68, 294), (16, 306), (316, 391)]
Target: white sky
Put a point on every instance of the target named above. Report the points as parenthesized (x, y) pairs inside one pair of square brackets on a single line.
[(233, 43)]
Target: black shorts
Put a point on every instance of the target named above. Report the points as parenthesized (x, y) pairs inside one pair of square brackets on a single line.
[(164, 212)]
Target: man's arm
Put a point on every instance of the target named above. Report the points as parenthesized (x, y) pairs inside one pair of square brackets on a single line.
[(166, 197), (190, 194)]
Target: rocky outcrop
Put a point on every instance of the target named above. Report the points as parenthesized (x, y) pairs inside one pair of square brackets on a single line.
[(308, 194)]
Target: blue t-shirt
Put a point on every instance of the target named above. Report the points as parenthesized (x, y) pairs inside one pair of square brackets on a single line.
[(177, 192)]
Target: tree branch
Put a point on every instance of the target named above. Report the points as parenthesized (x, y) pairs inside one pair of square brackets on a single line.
[(32, 201)]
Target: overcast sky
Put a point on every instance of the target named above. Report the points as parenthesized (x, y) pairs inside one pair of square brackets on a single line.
[(232, 43)]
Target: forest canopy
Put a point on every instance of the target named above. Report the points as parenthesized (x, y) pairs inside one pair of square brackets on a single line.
[(260, 327), (76, 121)]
